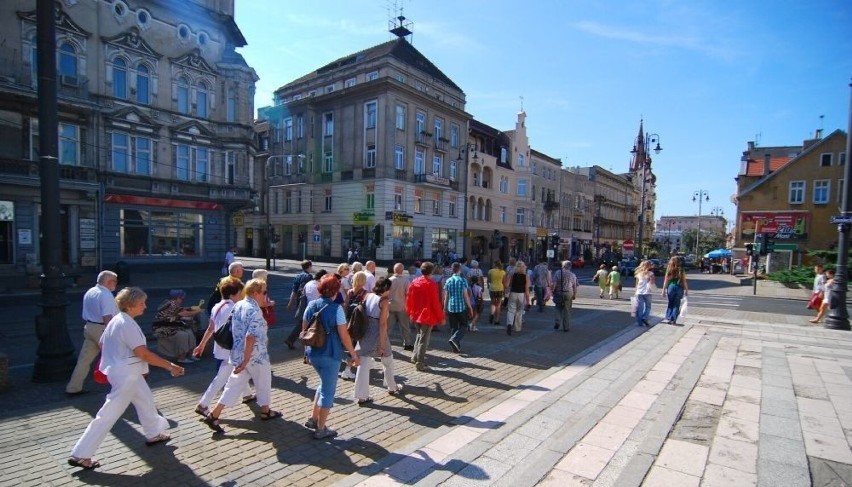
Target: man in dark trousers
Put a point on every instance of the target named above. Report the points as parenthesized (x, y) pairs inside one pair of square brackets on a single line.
[(457, 306), (298, 301), (424, 309)]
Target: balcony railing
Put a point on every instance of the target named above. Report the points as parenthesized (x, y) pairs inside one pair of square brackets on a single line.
[(400, 174), (436, 180), (551, 205), (422, 138), (441, 145)]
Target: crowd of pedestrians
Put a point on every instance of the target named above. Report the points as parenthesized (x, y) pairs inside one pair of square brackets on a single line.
[(418, 304)]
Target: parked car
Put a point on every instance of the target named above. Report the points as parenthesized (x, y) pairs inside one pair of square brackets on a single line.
[(578, 262), (628, 266), (659, 268)]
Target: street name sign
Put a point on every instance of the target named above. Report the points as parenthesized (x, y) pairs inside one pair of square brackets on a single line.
[(840, 220)]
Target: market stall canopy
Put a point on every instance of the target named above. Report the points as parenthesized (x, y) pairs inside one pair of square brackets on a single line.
[(718, 254)]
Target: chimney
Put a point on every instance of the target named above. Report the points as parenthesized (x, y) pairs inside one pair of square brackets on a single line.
[(766, 159)]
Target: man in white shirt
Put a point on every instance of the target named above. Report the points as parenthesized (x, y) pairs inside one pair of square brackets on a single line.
[(312, 287), (98, 308), (397, 314), (370, 267)]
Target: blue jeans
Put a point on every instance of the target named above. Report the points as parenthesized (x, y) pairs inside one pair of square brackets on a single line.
[(326, 367), (539, 297), (643, 311), (675, 294), (458, 325)]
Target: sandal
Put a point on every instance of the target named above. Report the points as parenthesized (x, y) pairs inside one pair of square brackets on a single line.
[(84, 463), (270, 415), (249, 399), (365, 402), (202, 410), (394, 392), (162, 437), (213, 423)]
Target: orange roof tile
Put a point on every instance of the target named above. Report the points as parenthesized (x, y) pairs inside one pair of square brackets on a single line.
[(756, 167)]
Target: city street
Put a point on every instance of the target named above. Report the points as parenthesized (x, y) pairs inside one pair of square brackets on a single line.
[(599, 405)]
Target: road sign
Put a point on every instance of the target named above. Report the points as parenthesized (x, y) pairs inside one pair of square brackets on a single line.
[(316, 228), (550, 253), (839, 220), (627, 246), (316, 237)]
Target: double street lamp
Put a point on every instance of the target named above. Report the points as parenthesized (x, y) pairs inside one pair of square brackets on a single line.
[(641, 149), (466, 161), (700, 196), (269, 233)]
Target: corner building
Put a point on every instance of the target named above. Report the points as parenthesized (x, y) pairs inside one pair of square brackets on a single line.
[(367, 152)]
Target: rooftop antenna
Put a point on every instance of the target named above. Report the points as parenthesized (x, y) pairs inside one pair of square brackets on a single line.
[(757, 139), (400, 26), (522, 102)]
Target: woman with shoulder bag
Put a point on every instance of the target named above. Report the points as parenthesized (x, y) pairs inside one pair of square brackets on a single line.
[(326, 359), (375, 343), (675, 288)]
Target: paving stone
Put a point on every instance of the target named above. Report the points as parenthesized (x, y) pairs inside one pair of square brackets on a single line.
[(773, 474), (827, 447), (738, 455), (721, 476), (585, 460), (683, 456), (663, 477), (825, 473), (782, 450), (779, 426)]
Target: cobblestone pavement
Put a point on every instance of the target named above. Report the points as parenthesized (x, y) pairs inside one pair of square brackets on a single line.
[(731, 398)]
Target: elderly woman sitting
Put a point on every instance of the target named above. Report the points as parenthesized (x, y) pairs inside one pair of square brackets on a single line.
[(174, 327)]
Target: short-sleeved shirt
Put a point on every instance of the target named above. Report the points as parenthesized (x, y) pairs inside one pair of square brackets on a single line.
[(398, 292), (300, 280), (168, 312), (455, 287), (371, 281), (541, 275), (248, 321), (97, 303), (121, 336), (495, 278), (564, 281), (331, 319), (219, 316), (614, 278), (644, 282), (819, 283), (312, 290)]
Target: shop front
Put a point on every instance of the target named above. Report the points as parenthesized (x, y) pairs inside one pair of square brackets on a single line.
[(444, 241), (407, 239), (359, 236)]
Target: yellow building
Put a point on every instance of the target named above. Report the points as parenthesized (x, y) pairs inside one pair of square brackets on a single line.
[(795, 200)]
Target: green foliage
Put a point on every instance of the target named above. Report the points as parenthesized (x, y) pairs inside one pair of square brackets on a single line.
[(795, 275), (709, 241)]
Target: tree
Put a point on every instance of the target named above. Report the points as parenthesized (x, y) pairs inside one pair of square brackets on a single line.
[(709, 240)]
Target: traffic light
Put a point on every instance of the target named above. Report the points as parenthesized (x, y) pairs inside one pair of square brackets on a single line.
[(769, 242), (554, 241), (378, 235)]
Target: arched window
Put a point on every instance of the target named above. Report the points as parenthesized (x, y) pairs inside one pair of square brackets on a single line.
[(201, 99), (182, 95), (119, 79), (67, 61), (143, 90)]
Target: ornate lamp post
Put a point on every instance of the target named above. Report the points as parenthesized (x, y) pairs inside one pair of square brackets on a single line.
[(641, 150), (466, 161), (699, 196)]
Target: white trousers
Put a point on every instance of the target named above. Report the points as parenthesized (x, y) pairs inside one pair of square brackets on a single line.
[(237, 383), (88, 352), (225, 371), (362, 377), (127, 388), (515, 311)]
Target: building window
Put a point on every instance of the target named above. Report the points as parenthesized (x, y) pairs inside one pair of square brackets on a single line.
[(821, 191), (371, 198), (453, 169), (437, 162), (370, 109), (328, 124), (521, 160), (288, 129), (162, 234), (120, 152), (131, 155), (327, 201), (142, 155), (454, 136), (399, 157), (436, 204), (372, 76), (419, 162), (504, 184), (503, 214), (328, 162), (519, 216), (68, 63), (439, 128), (522, 187), (400, 117), (143, 90), (288, 202), (231, 115), (400, 78), (797, 192), (119, 78), (300, 126), (841, 159), (329, 88), (230, 167), (420, 122), (192, 163), (182, 95), (201, 100), (370, 160), (349, 83), (397, 199), (504, 155), (69, 144), (288, 165), (418, 201), (451, 206), (825, 159)]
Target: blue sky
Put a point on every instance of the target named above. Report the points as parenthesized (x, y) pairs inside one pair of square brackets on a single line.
[(707, 76)]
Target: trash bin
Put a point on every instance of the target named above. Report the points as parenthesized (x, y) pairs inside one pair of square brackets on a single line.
[(122, 268)]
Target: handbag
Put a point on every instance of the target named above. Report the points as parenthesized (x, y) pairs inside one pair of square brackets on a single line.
[(634, 305), (269, 315), (314, 334), (683, 305), (223, 336), (815, 302), (98, 376)]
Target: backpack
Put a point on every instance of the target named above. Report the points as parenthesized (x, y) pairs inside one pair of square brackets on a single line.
[(357, 324)]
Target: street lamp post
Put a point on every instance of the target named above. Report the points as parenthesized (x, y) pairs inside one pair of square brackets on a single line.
[(269, 232), (700, 196), (641, 150), (599, 199), (466, 161)]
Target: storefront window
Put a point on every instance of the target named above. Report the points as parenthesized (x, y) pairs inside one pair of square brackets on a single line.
[(358, 238), (161, 233), (443, 244), (407, 242)]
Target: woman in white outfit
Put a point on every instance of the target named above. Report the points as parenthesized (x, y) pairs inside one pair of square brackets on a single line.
[(375, 343), (644, 283), (231, 293), (249, 356), (124, 360)]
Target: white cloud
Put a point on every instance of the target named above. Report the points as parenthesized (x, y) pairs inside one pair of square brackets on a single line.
[(708, 47)]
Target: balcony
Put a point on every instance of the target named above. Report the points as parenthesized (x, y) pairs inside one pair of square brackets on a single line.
[(436, 180), (551, 205), (400, 174), (441, 144), (422, 138)]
